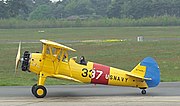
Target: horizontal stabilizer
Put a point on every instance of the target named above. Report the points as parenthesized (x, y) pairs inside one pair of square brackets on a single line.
[(66, 77), (136, 76)]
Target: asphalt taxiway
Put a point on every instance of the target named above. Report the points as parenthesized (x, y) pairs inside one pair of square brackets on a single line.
[(80, 95)]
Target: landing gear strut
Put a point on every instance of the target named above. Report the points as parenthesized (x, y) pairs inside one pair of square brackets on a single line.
[(143, 92), (39, 91)]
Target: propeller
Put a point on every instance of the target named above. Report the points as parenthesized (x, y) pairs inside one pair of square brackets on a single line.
[(18, 57)]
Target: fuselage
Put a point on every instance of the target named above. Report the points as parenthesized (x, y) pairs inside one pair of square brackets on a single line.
[(91, 73)]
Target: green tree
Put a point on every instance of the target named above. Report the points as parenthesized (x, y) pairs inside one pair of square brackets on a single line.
[(139, 8), (58, 11), (16, 7), (166, 7), (79, 7), (101, 6), (115, 9), (42, 12), (3, 10), (41, 2)]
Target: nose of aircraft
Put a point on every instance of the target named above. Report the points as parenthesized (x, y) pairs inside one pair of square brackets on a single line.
[(25, 61)]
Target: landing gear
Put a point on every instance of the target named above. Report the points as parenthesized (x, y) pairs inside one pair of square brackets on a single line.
[(143, 92), (33, 87), (39, 91)]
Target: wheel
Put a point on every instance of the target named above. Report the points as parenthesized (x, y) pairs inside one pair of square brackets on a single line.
[(143, 91), (33, 87), (40, 91)]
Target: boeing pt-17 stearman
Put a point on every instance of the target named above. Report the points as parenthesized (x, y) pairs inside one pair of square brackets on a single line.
[(54, 62)]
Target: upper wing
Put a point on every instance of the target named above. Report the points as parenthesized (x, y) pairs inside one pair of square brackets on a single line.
[(56, 45)]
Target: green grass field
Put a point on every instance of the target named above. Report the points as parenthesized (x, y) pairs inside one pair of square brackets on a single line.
[(162, 43)]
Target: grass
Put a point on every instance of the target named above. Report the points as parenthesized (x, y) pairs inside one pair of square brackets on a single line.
[(162, 43)]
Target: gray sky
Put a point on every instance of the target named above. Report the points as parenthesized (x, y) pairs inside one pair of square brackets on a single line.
[(54, 0)]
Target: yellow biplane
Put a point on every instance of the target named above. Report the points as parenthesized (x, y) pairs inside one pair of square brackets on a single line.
[(55, 62)]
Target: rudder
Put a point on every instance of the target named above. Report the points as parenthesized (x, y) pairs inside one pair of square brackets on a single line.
[(152, 71)]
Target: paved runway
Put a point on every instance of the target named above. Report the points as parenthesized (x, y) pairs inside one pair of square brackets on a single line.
[(164, 94)]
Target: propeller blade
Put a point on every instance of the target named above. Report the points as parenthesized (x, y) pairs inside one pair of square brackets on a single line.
[(18, 57)]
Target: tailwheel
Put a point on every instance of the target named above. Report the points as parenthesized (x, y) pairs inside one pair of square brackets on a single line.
[(39, 91), (143, 91)]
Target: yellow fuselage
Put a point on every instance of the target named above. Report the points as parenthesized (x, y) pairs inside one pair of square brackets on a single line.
[(94, 73)]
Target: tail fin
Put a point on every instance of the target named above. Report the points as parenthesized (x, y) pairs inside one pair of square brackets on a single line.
[(148, 70)]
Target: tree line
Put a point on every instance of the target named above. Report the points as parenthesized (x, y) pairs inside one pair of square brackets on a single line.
[(46, 9)]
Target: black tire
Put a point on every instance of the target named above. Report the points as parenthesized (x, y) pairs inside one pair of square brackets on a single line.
[(40, 91), (143, 92), (33, 88)]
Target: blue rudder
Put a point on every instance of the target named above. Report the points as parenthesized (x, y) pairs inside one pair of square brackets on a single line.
[(152, 71)]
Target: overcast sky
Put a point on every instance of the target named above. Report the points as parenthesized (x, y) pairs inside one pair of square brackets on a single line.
[(54, 0)]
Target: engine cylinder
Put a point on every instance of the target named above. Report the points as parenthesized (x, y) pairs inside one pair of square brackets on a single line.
[(25, 61)]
